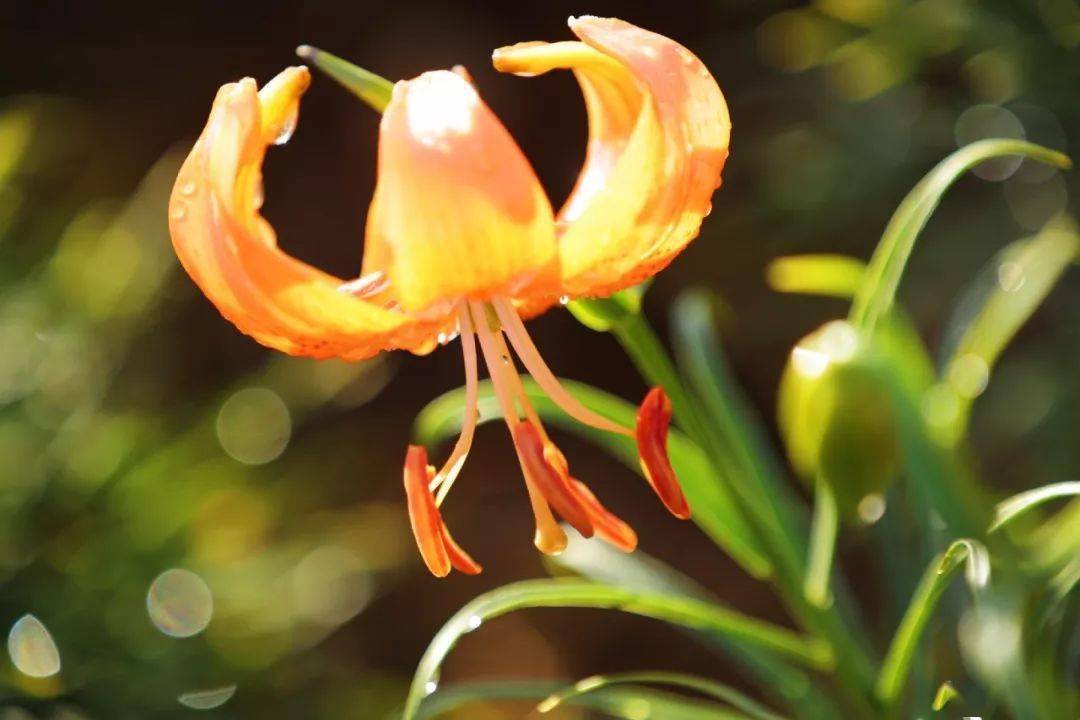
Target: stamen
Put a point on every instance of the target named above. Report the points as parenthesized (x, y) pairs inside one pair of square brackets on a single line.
[(423, 515), (436, 545), (550, 538), (654, 417), (454, 463), (551, 479), (534, 363)]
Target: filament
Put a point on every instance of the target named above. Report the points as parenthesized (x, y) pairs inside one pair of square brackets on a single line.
[(550, 538), (445, 478), (534, 363)]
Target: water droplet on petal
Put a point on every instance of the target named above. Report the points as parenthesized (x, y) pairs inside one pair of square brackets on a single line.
[(178, 213), (289, 126), (564, 299), (188, 188), (474, 622), (180, 603), (430, 687), (207, 699), (442, 338), (32, 649)]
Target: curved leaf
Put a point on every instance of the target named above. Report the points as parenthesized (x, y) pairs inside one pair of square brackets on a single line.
[(624, 703), (708, 618), (897, 665), (878, 289), (1000, 301), (705, 686), (714, 510), (1008, 510), (600, 562)]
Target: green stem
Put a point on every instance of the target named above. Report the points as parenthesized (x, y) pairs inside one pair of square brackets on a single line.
[(823, 532), (762, 505)]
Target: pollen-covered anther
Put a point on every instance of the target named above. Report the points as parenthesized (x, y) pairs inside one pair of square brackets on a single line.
[(546, 467), (653, 419), (437, 547)]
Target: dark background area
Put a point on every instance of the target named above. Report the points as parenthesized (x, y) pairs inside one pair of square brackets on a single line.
[(823, 149)]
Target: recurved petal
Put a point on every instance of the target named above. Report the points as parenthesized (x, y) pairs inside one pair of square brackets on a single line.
[(231, 252), (458, 211), (658, 140)]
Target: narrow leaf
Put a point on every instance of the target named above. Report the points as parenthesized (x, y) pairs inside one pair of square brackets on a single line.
[(945, 694), (897, 665), (705, 686), (878, 289), (1010, 509), (373, 89), (836, 276), (623, 703), (696, 615)]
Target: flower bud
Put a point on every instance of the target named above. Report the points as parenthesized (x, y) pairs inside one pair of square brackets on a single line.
[(836, 414)]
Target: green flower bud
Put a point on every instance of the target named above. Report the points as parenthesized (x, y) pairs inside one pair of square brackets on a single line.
[(837, 416)]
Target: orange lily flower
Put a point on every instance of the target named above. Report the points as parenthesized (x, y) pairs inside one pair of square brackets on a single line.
[(462, 240)]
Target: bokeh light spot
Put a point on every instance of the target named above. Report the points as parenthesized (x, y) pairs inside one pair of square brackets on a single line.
[(32, 649), (180, 603), (330, 585), (980, 122), (207, 699), (253, 426)]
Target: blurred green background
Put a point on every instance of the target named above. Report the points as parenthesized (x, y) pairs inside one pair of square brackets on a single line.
[(195, 522)]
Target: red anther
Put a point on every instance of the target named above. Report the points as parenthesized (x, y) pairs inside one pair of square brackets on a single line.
[(609, 527), (436, 546), (653, 419), (545, 468)]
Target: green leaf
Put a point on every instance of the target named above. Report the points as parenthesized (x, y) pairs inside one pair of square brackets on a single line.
[(708, 618), (1000, 301), (878, 289), (600, 562), (897, 665), (714, 510), (626, 703), (836, 276), (1010, 509), (373, 89), (945, 694), (705, 686)]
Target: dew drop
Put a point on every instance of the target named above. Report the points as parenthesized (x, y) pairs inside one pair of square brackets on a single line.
[(289, 126), (430, 687), (442, 338), (188, 188), (473, 622), (564, 299), (32, 649), (207, 699), (178, 213)]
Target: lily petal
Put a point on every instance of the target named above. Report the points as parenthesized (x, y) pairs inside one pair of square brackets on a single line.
[(231, 252), (458, 211), (658, 139)]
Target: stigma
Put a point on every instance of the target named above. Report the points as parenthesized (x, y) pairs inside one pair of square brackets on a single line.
[(551, 488)]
